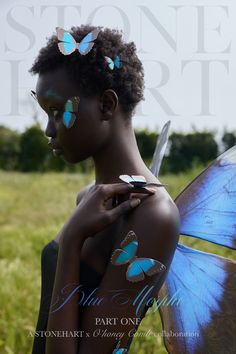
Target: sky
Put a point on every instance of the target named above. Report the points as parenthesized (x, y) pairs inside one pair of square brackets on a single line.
[(187, 49)]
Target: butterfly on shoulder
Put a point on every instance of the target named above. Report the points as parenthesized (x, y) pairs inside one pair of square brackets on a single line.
[(138, 266), (116, 63), (138, 181), (68, 45)]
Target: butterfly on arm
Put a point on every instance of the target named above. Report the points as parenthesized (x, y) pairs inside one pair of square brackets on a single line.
[(138, 266)]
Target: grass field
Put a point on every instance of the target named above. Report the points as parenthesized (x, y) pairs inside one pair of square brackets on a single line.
[(33, 207)]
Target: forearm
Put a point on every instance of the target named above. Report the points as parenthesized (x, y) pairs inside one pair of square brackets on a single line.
[(64, 314)]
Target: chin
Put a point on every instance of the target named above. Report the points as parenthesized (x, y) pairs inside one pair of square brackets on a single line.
[(74, 158)]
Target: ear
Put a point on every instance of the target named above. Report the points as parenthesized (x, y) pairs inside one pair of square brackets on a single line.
[(108, 104)]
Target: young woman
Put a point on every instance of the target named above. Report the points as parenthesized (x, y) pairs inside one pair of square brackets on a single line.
[(90, 99)]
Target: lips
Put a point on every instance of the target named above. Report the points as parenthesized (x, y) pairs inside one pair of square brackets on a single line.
[(57, 150)]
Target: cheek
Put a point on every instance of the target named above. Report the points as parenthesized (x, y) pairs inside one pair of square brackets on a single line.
[(83, 138)]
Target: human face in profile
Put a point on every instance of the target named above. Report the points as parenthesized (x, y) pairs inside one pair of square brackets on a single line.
[(76, 127)]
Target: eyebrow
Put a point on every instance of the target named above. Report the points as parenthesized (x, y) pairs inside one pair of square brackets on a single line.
[(50, 93)]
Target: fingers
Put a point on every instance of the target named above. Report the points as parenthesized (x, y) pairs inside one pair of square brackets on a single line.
[(123, 208), (110, 190)]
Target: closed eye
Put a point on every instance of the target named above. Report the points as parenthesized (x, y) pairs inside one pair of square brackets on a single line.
[(55, 112)]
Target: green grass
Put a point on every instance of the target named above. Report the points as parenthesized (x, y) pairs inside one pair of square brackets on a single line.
[(33, 208)]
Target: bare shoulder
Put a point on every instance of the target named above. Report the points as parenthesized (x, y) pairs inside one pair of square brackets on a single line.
[(156, 224)]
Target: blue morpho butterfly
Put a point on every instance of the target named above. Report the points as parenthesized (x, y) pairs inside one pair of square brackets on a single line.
[(205, 282), (68, 45), (116, 63), (120, 351), (70, 111), (138, 181), (138, 266)]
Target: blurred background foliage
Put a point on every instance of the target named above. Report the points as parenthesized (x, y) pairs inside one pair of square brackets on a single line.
[(29, 152)]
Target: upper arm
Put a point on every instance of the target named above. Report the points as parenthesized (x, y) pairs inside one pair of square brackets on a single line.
[(157, 234)]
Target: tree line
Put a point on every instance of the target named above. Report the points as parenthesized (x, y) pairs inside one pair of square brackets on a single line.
[(29, 151)]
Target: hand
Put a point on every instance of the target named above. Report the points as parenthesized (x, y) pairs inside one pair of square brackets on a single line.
[(92, 214)]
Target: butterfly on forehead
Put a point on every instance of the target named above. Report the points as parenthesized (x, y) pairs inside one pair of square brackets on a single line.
[(68, 44), (137, 266), (70, 112)]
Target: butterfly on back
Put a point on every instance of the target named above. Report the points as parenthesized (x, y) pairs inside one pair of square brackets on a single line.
[(138, 266), (68, 45)]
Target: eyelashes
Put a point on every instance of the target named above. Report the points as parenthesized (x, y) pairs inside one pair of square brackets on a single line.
[(68, 114), (56, 113)]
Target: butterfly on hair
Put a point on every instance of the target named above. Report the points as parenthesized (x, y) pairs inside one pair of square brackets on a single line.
[(68, 44), (112, 64)]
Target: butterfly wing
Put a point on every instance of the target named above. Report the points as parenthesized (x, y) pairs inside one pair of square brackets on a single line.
[(72, 105), (69, 119), (117, 62), (160, 149), (208, 206), (139, 179), (67, 44), (110, 63), (119, 351), (87, 42), (205, 316), (128, 250), (136, 181), (126, 178), (141, 266), (71, 109)]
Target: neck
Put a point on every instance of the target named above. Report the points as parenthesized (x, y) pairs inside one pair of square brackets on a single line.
[(120, 156)]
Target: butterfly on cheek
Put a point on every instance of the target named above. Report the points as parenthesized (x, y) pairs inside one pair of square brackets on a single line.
[(69, 114), (138, 267), (70, 111)]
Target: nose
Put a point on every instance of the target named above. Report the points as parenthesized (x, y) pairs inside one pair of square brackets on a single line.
[(50, 130)]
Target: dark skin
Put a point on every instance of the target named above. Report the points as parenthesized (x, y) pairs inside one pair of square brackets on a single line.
[(95, 229)]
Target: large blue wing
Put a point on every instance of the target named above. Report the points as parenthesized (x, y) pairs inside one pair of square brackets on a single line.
[(208, 206), (203, 321), (160, 149)]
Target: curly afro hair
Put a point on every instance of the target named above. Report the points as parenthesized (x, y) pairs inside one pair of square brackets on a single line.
[(91, 71)]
